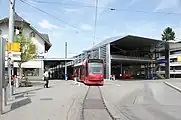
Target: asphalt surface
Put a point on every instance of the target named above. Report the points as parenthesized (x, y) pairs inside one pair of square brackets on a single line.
[(142, 100), (62, 101), (125, 100), (94, 108)]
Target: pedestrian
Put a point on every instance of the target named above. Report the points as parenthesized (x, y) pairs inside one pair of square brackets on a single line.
[(66, 77), (46, 75), (75, 78)]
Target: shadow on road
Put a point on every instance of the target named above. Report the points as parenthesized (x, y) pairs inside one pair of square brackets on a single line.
[(17, 104)]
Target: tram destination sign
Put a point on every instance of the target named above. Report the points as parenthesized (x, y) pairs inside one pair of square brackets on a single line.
[(95, 61)]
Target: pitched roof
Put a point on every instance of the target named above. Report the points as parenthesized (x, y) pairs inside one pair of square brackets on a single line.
[(16, 18), (20, 19), (45, 36)]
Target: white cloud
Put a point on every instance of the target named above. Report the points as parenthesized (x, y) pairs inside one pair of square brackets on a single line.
[(166, 4), (101, 3), (71, 10), (134, 1), (47, 25), (144, 29), (86, 27)]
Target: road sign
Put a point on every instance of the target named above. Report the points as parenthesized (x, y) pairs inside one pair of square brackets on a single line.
[(179, 59), (162, 61), (15, 47)]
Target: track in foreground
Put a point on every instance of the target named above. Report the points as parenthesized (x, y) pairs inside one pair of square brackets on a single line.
[(94, 107)]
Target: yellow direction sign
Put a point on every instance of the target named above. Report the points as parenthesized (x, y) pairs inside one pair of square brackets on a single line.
[(179, 59), (14, 47)]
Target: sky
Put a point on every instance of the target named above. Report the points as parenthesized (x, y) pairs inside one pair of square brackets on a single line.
[(75, 19)]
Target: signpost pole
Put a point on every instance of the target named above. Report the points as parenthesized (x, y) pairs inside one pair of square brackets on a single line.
[(2, 75), (65, 61), (11, 38)]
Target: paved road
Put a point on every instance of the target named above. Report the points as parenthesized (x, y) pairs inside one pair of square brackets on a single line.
[(127, 100), (142, 100), (62, 101)]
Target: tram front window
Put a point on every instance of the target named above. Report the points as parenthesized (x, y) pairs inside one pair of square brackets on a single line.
[(95, 68)]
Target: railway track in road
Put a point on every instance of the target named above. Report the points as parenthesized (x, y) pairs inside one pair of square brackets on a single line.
[(94, 107)]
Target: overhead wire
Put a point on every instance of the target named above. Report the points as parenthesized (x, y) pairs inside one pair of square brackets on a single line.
[(95, 22), (110, 8), (74, 26), (106, 8)]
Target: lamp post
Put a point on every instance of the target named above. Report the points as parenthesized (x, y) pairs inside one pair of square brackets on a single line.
[(65, 61)]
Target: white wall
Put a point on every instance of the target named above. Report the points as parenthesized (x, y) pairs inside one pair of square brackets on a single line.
[(40, 44), (38, 41), (4, 28)]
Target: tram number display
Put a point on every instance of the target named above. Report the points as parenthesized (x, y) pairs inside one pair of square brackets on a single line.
[(95, 61)]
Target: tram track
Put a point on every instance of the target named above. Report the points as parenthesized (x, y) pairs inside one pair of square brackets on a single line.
[(94, 107)]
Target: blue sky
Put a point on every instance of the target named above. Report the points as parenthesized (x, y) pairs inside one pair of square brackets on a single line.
[(109, 23)]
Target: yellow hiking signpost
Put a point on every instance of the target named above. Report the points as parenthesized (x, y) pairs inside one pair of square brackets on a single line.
[(14, 47)]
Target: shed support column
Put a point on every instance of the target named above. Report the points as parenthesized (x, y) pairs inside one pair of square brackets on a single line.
[(108, 62), (99, 53), (167, 65), (121, 70)]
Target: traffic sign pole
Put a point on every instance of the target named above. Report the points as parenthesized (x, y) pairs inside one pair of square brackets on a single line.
[(11, 39)]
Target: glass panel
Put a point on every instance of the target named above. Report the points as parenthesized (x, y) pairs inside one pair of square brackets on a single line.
[(31, 71), (95, 68)]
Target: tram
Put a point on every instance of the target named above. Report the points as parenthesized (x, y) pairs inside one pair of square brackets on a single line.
[(91, 71)]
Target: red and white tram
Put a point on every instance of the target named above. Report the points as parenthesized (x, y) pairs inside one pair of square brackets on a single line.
[(91, 71)]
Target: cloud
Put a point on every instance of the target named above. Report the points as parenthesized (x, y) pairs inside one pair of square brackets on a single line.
[(101, 3), (166, 4), (134, 1), (71, 10), (47, 25), (86, 27), (143, 29)]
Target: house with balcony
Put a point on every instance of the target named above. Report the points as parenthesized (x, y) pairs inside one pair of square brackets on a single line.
[(34, 68)]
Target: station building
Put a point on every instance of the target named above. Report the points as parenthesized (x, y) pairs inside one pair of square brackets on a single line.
[(129, 54)]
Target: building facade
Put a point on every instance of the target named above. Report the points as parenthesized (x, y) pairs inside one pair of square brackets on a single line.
[(33, 68), (175, 61), (124, 55)]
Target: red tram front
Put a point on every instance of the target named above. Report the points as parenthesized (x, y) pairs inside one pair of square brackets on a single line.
[(91, 71)]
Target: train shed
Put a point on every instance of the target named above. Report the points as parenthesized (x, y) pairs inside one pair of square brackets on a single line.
[(125, 54)]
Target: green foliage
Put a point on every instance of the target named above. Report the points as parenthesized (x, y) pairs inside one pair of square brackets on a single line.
[(168, 34), (27, 48)]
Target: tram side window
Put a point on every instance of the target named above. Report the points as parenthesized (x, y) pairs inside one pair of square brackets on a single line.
[(84, 72)]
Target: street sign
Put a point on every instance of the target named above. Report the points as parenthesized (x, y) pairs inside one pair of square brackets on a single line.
[(179, 59), (162, 61), (14, 47)]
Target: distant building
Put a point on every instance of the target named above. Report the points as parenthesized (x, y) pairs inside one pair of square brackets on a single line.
[(33, 68), (175, 61)]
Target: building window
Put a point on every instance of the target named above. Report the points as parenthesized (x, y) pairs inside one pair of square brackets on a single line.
[(173, 60), (32, 34), (0, 32), (31, 71), (17, 28)]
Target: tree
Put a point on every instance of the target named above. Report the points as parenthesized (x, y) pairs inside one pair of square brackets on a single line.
[(168, 34), (27, 49)]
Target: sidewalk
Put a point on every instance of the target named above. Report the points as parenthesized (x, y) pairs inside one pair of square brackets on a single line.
[(62, 101)]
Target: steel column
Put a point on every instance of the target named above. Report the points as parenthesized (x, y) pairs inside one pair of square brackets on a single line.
[(108, 61), (2, 74)]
